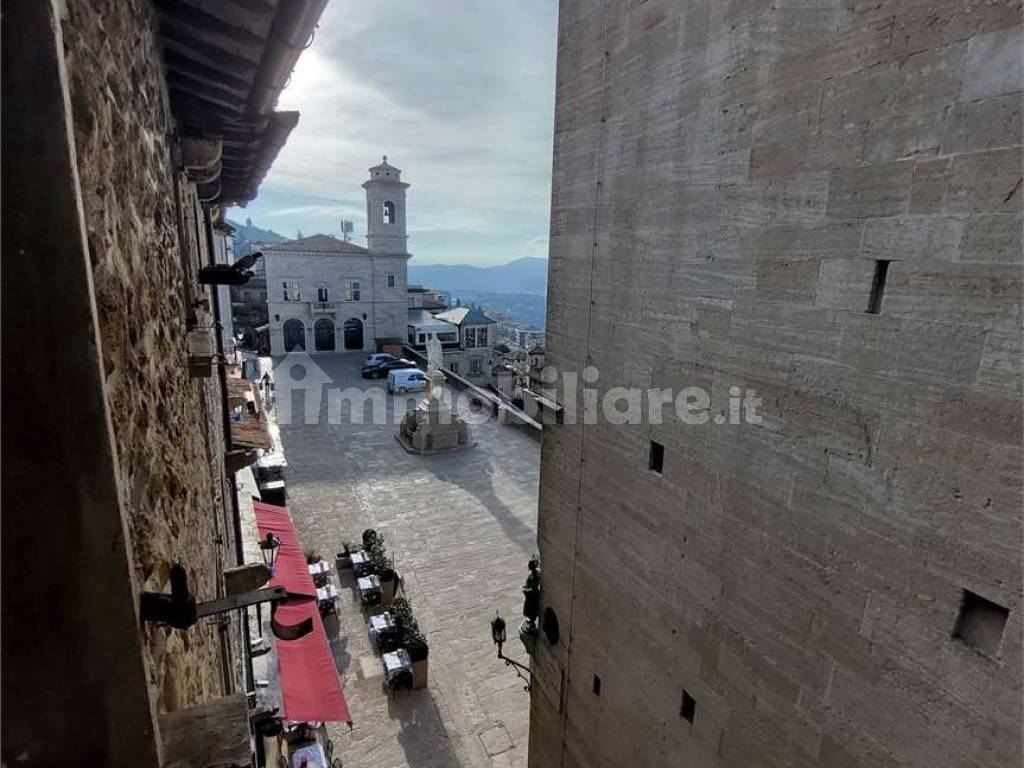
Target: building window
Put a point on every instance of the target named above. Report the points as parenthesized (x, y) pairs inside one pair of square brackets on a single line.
[(656, 460), (321, 294), (391, 279), (471, 337), (423, 338), (980, 623), (454, 367), (352, 291), (355, 291), (476, 366), (481, 337), (689, 708), (388, 212), (878, 287), (291, 291)]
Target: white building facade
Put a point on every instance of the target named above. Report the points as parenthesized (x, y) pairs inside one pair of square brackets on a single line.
[(327, 295)]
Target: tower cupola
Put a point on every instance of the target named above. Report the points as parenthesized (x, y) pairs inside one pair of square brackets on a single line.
[(385, 209)]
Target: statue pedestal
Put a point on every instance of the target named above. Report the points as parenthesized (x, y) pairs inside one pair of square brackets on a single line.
[(432, 427)]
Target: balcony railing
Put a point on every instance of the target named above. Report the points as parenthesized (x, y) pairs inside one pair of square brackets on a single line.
[(323, 307)]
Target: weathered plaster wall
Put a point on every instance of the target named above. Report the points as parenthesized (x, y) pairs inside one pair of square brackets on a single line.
[(166, 425), (726, 174)]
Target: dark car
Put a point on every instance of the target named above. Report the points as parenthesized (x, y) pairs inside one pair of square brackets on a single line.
[(380, 370)]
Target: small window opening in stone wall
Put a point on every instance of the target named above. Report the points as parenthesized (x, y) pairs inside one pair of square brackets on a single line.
[(596, 687), (878, 286), (689, 707), (656, 460), (980, 623)]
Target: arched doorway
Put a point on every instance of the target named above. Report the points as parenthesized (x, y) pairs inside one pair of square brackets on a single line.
[(353, 334), (323, 335), (294, 335)]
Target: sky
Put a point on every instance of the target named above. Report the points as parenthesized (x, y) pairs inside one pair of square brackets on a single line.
[(459, 94)]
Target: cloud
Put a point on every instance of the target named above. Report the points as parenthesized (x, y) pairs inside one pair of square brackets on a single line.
[(458, 93)]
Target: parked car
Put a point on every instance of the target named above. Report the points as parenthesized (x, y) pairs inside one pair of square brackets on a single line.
[(380, 370), (402, 381), (377, 358)]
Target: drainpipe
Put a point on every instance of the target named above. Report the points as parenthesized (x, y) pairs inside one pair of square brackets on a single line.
[(222, 376)]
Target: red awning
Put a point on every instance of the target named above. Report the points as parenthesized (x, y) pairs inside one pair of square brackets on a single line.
[(310, 687)]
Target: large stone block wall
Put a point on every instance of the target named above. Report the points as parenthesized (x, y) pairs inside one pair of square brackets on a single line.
[(167, 427), (726, 175)]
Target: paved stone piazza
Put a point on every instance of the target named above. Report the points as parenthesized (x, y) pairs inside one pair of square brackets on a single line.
[(461, 527)]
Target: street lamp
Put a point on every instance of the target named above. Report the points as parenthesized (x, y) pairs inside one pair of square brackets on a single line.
[(498, 635), (269, 549), (498, 631)]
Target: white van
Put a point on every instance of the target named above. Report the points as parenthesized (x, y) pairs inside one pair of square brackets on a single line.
[(406, 380)]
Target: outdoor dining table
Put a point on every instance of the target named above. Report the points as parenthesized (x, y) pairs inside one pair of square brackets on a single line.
[(319, 568), (396, 662), (326, 596), (309, 756), (381, 625), (368, 587), (360, 563)]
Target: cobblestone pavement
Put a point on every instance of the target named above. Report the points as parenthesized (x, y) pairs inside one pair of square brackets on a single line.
[(461, 527)]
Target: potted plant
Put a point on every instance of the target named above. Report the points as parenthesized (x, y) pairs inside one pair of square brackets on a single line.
[(371, 539), (344, 558), (385, 571), (401, 613), (312, 557), (416, 646)]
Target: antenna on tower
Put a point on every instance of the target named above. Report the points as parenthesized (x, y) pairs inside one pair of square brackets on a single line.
[(347, 228)]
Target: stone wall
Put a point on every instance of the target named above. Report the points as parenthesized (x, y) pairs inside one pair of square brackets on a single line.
[(146, 243), (726, 176)]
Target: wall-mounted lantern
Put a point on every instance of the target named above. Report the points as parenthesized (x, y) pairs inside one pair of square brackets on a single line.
[(498, 635), (269, 549), (528, 630)]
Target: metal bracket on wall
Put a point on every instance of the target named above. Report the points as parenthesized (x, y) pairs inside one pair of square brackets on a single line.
[(180, 610)]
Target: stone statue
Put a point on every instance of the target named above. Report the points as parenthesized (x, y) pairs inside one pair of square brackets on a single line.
[(435, 361), (435, 354), (432, 425)]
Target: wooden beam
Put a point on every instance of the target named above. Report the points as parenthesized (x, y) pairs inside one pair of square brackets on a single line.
[(210, 56), (190, 25)]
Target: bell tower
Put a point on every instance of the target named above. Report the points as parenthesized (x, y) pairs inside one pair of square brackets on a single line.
[(385, 209)]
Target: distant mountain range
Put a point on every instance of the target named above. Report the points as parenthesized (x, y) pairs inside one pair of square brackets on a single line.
[(526, 275)]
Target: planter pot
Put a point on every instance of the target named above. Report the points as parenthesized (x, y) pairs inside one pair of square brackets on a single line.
[(343, 561), (419, 674), (387, 591)]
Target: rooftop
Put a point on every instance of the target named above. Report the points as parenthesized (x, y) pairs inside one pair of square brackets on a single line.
[(464, 316), (317, 244), (226, 64)]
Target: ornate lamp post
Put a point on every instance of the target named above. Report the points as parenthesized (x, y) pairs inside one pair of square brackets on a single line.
[(498, 635), (528, 630)]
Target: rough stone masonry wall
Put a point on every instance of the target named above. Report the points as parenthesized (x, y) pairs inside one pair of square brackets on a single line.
[(726, 174), (165, 423)]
